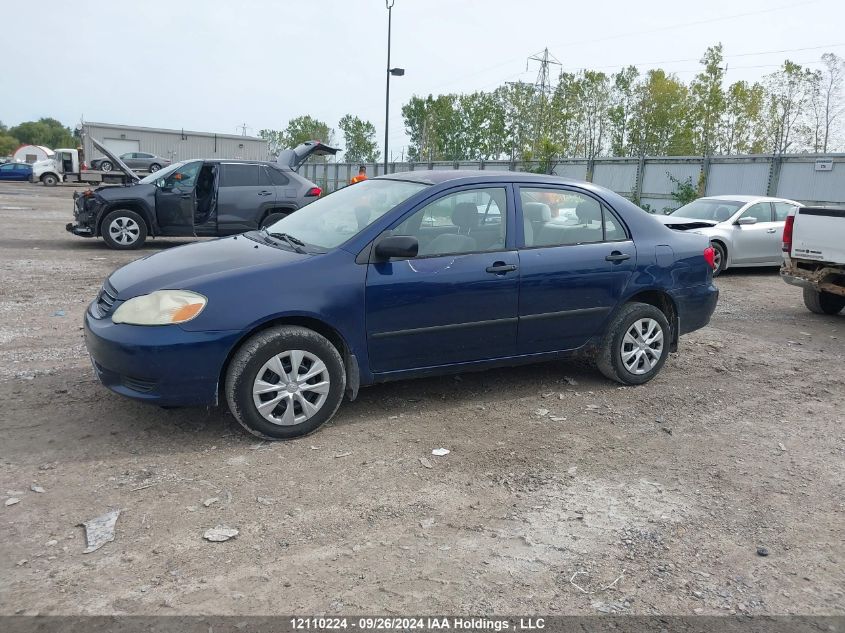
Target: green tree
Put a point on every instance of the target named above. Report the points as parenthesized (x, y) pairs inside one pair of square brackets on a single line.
[(742, 129), (275, 140), (433, 125), (788, 91), (707, 101), (517, 104), (8, 143), (306, 128), (623, 98), (359, 140), (46, 131), (481, 120), (660, 122)]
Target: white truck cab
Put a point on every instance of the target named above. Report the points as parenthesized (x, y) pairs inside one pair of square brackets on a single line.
[(53, 170)]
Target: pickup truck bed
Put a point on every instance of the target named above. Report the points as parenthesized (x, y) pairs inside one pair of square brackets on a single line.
[(814, 257)]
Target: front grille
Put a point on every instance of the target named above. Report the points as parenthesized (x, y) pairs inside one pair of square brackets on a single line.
[(138, 384), (105, 299)]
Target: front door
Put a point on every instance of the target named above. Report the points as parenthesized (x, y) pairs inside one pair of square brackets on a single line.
[(758, 243), (456, 302), (176, 200), (575, 261)]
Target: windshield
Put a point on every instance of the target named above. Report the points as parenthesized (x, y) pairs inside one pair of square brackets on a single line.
[(709, 209), (330, 221), (161, 173)]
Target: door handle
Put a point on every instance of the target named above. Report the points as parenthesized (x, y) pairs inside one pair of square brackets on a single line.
[(265, 193), (500, 268), (617, 256), (185, 195), (771, 230)]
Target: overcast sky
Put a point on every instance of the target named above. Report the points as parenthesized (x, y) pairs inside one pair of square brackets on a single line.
[(212, 65)]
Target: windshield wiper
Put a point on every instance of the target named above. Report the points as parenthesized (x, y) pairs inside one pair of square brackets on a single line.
[(295, 243)]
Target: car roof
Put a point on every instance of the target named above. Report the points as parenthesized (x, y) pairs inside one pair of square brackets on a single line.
[(747, 198), (437, 176)]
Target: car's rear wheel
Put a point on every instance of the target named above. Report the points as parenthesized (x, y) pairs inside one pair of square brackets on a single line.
[(285, 382), (106, 166), (636, 344), (720, 258), (123, 230), (822, 302), (154, 167), (272, 218), (49, 180)]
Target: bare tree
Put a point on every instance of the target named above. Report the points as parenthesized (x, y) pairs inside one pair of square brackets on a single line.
[(831, 93)]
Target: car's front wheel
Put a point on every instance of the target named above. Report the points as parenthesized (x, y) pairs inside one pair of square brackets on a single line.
[(821, 302), (106, 166), (720, 258), (123, 230), (285, 382), (49, 180), (636, 344), (154, 167)]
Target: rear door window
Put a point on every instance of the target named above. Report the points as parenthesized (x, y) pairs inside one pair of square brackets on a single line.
[(237, 175), (270, 176), (560, 217)]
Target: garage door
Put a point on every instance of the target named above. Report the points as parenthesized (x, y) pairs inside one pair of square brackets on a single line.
[(121, 145)]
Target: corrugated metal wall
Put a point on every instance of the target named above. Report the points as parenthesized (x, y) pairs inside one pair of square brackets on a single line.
[(177, 145), (647, 179)]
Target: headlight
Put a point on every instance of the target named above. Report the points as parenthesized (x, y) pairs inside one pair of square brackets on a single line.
[(161, 307)]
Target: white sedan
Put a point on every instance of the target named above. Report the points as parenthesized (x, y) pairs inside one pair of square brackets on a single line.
[(743, 230)]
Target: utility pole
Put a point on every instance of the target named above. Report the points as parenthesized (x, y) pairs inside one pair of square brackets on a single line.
[(243, 127), (542, 88), (396, 72)]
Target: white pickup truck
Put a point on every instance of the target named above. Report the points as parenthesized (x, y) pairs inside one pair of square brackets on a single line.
[(814, 257)]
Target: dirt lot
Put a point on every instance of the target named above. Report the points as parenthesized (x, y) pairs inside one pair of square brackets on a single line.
[(659, 495)]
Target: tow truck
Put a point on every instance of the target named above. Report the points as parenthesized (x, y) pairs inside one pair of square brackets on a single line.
[(68, 165)]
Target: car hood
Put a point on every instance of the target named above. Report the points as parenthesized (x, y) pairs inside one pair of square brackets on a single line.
[(117, 192), (186, 267), (116, 160), (684, 224)]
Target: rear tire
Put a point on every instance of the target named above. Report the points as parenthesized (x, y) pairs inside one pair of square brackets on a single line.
[(154, 167), (123, 230), (294, 400), (821, 302), (49, 180), (272, 218), (635, 345), (721, 258)]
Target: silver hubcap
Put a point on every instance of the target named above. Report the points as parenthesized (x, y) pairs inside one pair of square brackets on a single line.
[(124, 230), (642, 346), (291, 387), (105, 167), (717, 258)]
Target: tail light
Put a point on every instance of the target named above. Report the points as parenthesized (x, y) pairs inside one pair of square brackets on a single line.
[(787, 234), (83, 167), (314, 192), (710, 257)]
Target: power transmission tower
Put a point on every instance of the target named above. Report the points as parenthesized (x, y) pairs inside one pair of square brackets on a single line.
[(243, 127), (542, 88)]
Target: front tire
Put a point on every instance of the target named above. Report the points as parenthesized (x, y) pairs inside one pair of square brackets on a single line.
[(49, 180), (106, 166), (154, 167), (821, 302), (123, 230), (721, 257), (285, 382), (636, 344)]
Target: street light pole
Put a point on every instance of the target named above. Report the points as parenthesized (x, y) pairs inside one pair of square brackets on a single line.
[(389, 4)]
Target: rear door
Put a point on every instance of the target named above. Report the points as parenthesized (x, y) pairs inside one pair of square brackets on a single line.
[(758, 243), (241, 198), (456, 301), (176, 200), (576, 259)]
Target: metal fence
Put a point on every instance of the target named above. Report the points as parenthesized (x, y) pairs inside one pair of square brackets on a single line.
[(807, 178)]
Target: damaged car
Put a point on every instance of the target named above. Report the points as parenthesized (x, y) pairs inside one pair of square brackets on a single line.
[(196, 198), (743, 230)]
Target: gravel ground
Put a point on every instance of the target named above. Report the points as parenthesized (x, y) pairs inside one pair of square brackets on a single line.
[(563, 493)]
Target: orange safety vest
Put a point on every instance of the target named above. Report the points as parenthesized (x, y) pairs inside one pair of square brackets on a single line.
[(358, 178)]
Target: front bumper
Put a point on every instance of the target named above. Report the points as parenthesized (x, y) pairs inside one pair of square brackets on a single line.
[(163, 365), (84, 223)]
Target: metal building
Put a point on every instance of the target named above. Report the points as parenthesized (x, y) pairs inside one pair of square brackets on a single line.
[(173, 144)]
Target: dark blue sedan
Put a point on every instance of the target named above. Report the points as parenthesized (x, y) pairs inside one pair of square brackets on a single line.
[(413, 274), (15, 171)]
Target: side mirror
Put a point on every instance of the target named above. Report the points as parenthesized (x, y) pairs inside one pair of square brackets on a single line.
[(746, 221), (401, 246)]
